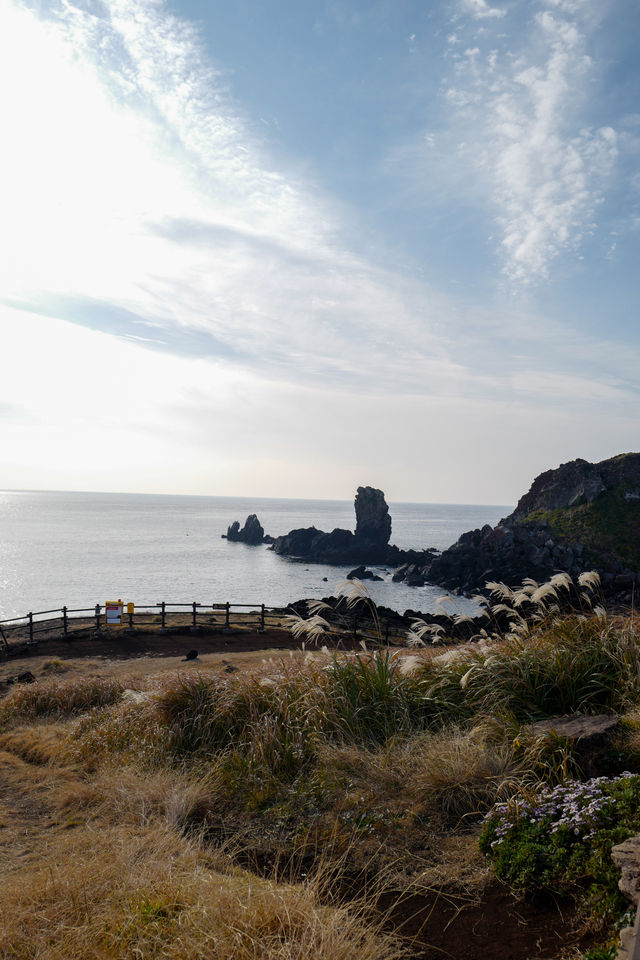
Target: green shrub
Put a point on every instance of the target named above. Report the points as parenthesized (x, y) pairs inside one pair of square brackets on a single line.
[(560, 839)]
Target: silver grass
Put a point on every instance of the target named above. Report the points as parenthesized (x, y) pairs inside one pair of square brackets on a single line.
[(318, 606), (353, 591), (589, 579), (499, 589), (462, 618), (544, 591), (561, 580), (414, 639)]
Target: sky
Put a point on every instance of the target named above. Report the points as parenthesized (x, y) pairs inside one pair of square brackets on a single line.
[(289, 247)]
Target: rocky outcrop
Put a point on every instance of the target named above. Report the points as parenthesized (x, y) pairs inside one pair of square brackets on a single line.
[(591, 738), (373, 523), (579, 482), (369, 543), (361, 573), (252, 532), (581, 516)]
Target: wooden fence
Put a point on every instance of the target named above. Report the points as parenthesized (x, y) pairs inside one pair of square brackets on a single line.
[(63, 622)]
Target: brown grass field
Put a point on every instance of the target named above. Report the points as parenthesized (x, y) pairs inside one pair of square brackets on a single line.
[(115, 845)]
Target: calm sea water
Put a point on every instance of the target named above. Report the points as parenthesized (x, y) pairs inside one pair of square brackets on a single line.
[(80, 549)]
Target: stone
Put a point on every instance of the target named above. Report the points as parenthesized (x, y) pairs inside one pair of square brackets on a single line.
[(592, 737), (361, 573), (191, 655), (626, 856)]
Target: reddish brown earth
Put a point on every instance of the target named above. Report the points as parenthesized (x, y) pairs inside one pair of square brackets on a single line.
[(117, 643), (497, 926)]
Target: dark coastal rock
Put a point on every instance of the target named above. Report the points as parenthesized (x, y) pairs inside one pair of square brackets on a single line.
[(373, 523), (369, 544), (361, 573), (581, 516), (252, 532)]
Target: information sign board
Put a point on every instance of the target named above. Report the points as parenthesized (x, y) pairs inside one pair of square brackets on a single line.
[(113, 611)]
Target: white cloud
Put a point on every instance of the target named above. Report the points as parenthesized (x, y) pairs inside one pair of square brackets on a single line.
[(137, 183), (139, 199), (480, 9), (525, 113)]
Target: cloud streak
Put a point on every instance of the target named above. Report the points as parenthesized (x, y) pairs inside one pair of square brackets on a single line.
[(154, 198), (522, 105)]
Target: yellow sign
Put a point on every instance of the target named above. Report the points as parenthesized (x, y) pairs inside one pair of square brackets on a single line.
[(113, 611), (130, 607)]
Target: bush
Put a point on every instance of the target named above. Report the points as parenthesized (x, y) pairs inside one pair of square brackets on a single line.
[(560, 838)]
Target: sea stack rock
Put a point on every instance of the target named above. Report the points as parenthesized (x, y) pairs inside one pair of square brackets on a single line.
[(252, 532), (369, 544), (373, 523)]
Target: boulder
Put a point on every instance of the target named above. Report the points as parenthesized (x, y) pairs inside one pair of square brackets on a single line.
[(591, 736), (626, 856), (361, 573)]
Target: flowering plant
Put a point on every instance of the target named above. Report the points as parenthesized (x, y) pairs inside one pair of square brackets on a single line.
[(562, 836)]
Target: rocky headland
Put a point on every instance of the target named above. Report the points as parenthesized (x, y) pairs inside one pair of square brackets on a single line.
[(580, 516)]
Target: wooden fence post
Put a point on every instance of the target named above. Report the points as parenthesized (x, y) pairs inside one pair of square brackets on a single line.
[(30, 626), (262, 618), (162, 616), (194, 625), (227, 622), (64, 621), (97, 616)]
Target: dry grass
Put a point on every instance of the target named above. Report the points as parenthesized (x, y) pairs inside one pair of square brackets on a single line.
[(105, 783), (108, 893)]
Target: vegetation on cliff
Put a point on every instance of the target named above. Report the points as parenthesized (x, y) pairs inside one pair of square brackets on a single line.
[(608, 527), (574, 518)]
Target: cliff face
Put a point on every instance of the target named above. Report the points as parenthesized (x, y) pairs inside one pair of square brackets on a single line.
[(580, 516)]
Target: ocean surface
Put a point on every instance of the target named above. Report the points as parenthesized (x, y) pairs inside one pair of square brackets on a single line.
[(79, 549)]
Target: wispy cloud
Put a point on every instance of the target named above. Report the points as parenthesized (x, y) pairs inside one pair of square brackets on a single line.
[(522, 100), (152, 198)]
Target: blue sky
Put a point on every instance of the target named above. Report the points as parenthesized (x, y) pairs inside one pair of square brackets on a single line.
[(284, 249)]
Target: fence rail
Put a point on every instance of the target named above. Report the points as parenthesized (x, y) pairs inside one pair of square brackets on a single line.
[(62, 622)]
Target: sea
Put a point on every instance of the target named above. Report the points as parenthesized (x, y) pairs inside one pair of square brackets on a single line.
[(78, 549)]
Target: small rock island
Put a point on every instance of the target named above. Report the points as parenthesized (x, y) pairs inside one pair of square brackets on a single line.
[(252, 533), (369, 543)]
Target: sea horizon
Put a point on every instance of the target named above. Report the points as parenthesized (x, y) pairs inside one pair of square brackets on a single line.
[(78, 548)]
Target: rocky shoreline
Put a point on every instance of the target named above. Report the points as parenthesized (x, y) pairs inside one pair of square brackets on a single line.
[(578, 517)]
